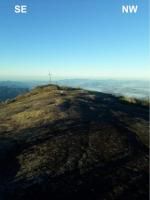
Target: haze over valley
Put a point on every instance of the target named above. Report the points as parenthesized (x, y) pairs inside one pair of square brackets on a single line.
[(131, 88)]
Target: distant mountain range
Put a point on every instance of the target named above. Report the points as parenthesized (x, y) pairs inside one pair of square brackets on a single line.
[(7, 93), (11, 89)]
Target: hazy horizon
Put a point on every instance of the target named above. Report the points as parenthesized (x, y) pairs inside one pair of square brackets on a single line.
[(119, 87), (55, 78)]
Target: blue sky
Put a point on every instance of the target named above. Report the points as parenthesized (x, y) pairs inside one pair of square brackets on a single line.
[(73, 38)]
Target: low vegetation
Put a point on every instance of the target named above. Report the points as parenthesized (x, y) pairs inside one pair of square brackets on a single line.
[(136, 101), (64, 143)]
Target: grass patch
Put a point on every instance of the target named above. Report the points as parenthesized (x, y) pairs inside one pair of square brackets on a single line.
[(131, 100)]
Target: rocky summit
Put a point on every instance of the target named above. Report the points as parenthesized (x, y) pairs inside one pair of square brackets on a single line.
[(61, 143)]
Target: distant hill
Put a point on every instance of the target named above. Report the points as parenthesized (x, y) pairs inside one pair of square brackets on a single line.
[(21, 84), (11, 92), (63, 143), (14, 84)]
